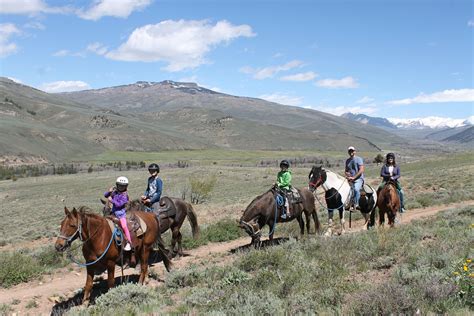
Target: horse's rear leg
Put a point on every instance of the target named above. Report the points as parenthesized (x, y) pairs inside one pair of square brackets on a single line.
[(301, 222), (308, 223), (177, 238), (145, 253), (88, 286)]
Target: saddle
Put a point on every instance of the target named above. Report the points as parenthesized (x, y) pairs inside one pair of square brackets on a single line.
[(135, 224), (165, 209), (365, 190)]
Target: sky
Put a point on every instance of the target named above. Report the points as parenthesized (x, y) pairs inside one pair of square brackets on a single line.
[(395, 59)]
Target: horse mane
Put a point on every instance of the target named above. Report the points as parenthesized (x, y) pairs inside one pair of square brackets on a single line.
[(336, 174), (257, 198), (85, 210)]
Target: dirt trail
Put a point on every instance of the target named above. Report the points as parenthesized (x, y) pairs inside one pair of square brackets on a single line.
[(67, 282)]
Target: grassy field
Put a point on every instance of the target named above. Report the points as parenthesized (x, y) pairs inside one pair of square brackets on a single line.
[(422, 263), (32, 208), (421, 268)]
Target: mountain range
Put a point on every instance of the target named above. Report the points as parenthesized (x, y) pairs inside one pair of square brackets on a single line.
[(458, 131), (157, 116)]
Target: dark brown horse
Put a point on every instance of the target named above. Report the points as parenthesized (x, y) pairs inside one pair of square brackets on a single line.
[(388, 203), (171, 213), (98, 245), (263, 211)]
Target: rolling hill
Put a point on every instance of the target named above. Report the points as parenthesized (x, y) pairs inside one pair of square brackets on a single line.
[(162, 116)]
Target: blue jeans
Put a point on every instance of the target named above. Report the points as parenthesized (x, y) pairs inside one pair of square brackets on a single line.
[(357, 184)]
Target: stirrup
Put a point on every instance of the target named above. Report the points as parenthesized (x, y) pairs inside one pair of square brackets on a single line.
[(127, 247), (283, 216)]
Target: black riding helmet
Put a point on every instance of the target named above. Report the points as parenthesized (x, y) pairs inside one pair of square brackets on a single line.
[(154, 167), (285, 163), (390, 155)]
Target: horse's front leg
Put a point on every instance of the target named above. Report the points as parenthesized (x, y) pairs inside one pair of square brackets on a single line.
[(110, 274), (343, 221), (88, 286), (367, 218), (330, 223), (271, 227), (381, 217)]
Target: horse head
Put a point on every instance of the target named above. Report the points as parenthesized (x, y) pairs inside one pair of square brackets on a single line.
[(71, 228), (256, 209), (107, 209), (316, 177)]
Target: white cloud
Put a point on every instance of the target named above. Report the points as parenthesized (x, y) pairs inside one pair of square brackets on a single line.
[(119, 9), (64, 86), (470, 23), (338, 110), (29, 7), (182, 44), (303, 76), (65, 52), (346, 82), (282, 99), (97, 48), (365, 100), (62, 53), (6, 46), (270, 72), (22, 6), (35, 25), (453, 95)]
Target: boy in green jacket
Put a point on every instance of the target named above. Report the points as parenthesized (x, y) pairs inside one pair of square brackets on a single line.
[(284, 183)]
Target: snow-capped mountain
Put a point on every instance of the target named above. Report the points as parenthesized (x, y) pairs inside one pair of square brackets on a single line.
[(434, 122)]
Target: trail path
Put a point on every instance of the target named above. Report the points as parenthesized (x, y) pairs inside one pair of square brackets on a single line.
[(68, 281)]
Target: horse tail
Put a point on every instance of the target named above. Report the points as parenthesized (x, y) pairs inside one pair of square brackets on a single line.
[(192, 218)]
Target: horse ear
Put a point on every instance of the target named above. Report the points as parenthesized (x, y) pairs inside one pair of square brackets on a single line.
[(74, 211), (103, 201), (66, 211)]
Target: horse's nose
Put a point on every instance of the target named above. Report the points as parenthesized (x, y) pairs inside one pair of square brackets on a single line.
[(59, 247)]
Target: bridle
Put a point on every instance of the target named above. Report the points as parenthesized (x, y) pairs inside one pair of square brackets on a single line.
[(77, 233)]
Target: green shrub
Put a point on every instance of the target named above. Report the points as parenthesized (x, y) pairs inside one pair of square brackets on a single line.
[(16, 267), (201, 188), (223, 230)]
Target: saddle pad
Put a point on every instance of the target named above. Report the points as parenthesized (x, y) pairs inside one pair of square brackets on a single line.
[(142, 229)]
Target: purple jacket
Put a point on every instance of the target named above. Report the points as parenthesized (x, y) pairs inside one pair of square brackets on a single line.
[(118, 202), (386, 174)]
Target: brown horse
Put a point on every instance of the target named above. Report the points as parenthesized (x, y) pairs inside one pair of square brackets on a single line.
[(263, 211), (171, 213), (98, 248), (388, 202)]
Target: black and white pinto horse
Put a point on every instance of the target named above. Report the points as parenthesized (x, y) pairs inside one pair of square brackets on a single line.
[(339, 194)]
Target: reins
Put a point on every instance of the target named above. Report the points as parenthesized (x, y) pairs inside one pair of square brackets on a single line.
[(116, 233), (327, 198)]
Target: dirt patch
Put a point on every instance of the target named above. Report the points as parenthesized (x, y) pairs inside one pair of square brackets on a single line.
[(64, 286)]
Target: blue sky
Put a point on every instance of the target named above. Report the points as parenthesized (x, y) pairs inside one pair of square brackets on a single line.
[(402, 59)]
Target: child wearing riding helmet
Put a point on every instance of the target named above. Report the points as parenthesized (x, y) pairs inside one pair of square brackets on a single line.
[(284, 183), (391, 171), (154, 187), (118, 196)]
